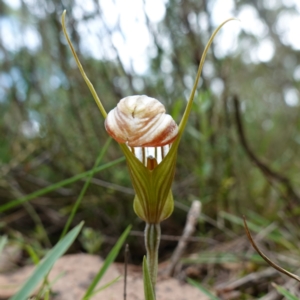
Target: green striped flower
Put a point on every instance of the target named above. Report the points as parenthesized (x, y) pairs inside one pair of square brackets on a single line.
[(150, 146), (149, 139)]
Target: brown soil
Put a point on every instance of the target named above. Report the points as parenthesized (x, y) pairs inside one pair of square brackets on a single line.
[(73, 274)]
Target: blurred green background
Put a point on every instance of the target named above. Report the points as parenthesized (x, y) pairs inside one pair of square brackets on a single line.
[(51, 129)]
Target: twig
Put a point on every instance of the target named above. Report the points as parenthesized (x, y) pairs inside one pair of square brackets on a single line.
[(271, 263), (125, 270), (189, 229), (248, 280), (266, 170), (176, 238)]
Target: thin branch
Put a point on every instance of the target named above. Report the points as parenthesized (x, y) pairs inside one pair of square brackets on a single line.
[(176, 238), (266, 170), (246, 281), (272, 264), (125, 270)]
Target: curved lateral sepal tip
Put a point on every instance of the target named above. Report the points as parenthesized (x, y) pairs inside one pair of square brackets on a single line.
[(271, 263)]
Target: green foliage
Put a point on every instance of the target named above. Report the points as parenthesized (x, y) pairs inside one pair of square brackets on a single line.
[(86, 184), (33, 255), (3, 242), (55, 186), (284, 292), (45, 266), (42, 85), (148, 288), (108, 261), (273, 234), (219, 257), (91, 240), (105, 286), (202, 289)]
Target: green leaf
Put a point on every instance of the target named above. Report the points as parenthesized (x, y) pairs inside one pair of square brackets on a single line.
[(202, 289), (274, 235), (3, 242), (109, 260), (219, 257), (148, 289), (284, 292), (47, 295), (46, 264), (105, 286), (34, 257)]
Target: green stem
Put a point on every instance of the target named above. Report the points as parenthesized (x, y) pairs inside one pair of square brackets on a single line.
[(152, 240)]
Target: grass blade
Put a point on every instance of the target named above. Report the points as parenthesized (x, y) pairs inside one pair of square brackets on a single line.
[(202, 289), (105, 286), (33, 255), (46, 264), (57, 185), (109, 260), (148, 289), (3, 242), (84, 189), (282, 291)]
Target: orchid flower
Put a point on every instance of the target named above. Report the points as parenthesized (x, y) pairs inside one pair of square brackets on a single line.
[(149, 139)]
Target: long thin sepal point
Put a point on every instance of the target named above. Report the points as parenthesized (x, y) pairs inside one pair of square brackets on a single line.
[(86, 79), (272, 264), (190, 101)]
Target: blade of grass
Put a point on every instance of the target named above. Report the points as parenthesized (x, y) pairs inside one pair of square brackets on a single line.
[(274, 235), (17, 192), (34, 257), (281, 290), (39, 226), (84, 189), (238, 220), (202, 289), (57, 185), (46, 264), (105, 286), (82, 192), (215, 257), (108, 261), (46, 287), (3, 242), (47, 295), (148, 288)]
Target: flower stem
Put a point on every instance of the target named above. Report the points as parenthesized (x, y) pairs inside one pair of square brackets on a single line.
[(152, 240)]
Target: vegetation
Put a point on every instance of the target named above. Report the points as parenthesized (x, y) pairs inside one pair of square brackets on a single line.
[(238, 155)]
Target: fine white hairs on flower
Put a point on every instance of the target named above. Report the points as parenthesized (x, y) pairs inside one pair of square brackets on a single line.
[(141, 121)]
